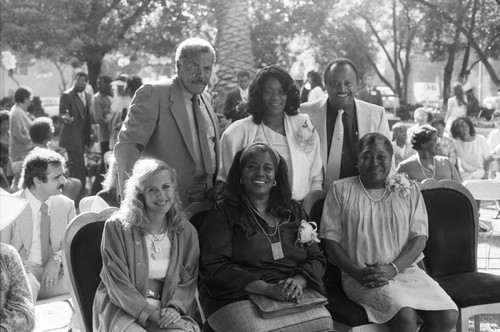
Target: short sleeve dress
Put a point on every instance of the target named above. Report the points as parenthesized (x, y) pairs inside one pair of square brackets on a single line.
[(376, 232)]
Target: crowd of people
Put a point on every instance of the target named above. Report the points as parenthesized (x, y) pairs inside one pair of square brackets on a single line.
[(164, 155)]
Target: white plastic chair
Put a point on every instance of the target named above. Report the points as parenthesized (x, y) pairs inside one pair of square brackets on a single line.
[(487, 190)]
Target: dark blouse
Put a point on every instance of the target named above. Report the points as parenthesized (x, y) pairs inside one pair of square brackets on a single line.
[(235, 252)]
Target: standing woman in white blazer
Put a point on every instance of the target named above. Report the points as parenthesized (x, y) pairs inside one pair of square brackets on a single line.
[(273, 104)]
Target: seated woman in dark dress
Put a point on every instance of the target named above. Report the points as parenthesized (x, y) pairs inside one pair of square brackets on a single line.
[(249, 242)]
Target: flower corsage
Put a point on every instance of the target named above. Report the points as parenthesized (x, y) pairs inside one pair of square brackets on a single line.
[(306, 137), (307, 233), (399, 182)]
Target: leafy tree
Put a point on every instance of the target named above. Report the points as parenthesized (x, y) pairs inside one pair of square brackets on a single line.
[(478, 23), (88, 30)]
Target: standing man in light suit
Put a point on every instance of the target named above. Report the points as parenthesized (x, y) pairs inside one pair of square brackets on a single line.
[(339, 139), (175, 122), (38, 232)]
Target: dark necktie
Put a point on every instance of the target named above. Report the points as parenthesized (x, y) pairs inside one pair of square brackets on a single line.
[(45, 233), (202, 134)]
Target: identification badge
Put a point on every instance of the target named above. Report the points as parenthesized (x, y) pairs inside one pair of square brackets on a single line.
[(277, 251)]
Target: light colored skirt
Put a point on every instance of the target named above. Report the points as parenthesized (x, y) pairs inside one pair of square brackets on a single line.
[(411, 288)]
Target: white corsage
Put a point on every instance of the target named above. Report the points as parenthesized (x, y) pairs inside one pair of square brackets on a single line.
[(399, 182), (307, 233), (306, 137)]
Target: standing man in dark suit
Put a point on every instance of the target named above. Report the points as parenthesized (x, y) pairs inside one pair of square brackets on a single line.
[(236, 96), (174, 121), (369, 92), (74, 111)]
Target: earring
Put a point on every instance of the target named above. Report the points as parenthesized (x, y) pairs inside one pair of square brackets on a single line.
[(274, 184), (241, 181)]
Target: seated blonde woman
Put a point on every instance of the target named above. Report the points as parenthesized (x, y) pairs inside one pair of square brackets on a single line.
[(150, 258), (374, 228)]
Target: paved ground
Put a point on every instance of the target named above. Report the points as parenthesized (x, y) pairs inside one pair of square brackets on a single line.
[(57, 316)]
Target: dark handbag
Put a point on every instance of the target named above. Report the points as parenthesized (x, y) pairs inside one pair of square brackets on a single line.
[(269, 308)]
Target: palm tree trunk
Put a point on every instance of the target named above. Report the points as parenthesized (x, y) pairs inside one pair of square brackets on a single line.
[(233, 44)]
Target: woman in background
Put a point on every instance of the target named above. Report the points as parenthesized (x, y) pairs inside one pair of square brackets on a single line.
[(472, 150), (427, 163), (457, 106)]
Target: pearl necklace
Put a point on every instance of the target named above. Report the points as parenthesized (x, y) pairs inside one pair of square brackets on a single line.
[(431, 168), (367, 194)]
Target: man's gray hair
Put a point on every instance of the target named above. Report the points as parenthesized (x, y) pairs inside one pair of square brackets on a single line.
[(191, 46)]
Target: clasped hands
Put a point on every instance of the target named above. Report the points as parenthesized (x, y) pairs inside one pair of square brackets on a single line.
[(287, 290), (375, 275), (168, 316)]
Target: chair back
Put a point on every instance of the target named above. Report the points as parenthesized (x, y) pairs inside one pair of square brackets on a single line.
[(92, 203), (83, 261), (453, 228)]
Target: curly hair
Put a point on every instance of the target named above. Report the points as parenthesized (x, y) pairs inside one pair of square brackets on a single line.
[(256, 105), (422, 135), (455, 132), (132, 211), (281, 193)]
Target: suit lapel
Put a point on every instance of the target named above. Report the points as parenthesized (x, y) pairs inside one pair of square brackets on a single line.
[(179, 112), (363, 118)]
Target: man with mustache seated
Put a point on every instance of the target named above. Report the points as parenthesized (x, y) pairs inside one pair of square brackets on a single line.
[(38, 232), (174, 121)]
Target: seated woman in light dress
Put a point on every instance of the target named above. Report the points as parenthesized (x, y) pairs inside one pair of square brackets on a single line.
[(150, 257), (427, 164), (376, 233), (273, 103), (472, 150)]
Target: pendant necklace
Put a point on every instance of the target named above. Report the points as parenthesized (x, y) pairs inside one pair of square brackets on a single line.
[(156, 248), (432, 168), (276, 247), (367, 194)]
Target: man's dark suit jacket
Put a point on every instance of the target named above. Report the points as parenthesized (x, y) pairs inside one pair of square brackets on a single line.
[(76, 135), (373, 97), (232, 100)]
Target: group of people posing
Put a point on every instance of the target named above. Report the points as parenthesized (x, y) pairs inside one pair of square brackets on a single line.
[(255, 180)]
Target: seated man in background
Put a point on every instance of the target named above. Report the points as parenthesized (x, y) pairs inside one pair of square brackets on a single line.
[(37, 233), (41, 133)]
